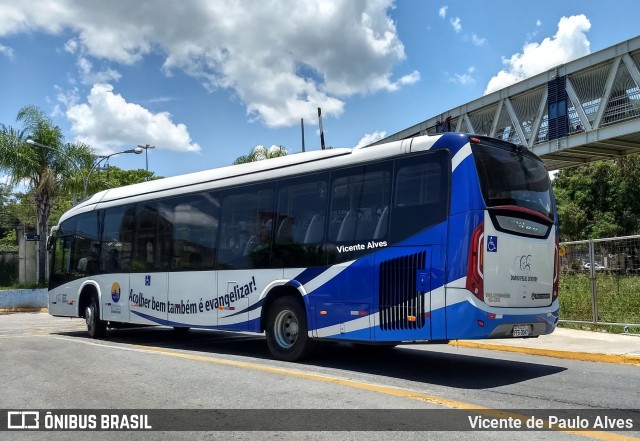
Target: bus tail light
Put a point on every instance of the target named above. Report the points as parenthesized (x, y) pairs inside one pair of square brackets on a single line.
[(556, 279), (475, 282)]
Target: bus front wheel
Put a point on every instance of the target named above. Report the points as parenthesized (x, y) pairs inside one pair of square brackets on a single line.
[(95, 327), (287, 330)]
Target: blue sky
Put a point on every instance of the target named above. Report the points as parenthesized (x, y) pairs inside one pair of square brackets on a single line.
[(206, 82)]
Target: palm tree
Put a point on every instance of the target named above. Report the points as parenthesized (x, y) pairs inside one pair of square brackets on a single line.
[(259, 153), (45, 171)]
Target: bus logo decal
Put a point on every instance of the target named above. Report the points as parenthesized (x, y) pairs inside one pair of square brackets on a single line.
[(147, 280), (492, 244), (115, 292)]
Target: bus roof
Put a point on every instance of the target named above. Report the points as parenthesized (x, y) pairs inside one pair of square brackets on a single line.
[(242, 174)]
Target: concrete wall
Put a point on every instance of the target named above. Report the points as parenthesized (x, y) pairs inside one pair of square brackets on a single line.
[(27, 266), (24, 298)]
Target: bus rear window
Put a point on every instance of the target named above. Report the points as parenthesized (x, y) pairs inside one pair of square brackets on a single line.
[(512, 175)]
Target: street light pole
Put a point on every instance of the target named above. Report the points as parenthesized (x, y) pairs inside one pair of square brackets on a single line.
[(94, 166), (146, 148)]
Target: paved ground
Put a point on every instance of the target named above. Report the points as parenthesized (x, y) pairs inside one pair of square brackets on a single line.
[(50, 363), (563, 343)]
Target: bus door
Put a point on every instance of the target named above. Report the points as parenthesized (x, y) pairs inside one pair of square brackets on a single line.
[(150, 262), (235, 289), (115, 297), (404, 295), (247, 227), (148, 298)]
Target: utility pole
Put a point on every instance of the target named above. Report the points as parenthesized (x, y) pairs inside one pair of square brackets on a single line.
[(146, 148), (321, 129)]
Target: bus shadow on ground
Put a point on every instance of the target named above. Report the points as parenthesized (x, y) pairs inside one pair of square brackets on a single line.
[(431, 364)]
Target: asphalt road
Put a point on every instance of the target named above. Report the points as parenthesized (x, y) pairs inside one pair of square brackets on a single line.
[(50, 363)]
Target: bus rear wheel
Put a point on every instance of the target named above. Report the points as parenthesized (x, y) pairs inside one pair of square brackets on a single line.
[(287, 330), (95, 327)]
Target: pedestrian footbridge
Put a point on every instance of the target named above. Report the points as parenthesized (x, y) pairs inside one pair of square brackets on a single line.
[(585, 110)]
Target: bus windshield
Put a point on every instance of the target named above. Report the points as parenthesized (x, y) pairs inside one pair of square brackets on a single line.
[(512, 175)]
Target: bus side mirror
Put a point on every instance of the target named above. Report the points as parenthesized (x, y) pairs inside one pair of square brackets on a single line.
[(50, 242)]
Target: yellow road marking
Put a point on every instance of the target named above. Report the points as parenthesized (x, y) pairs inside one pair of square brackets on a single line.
[(394, 391), (581, 356)]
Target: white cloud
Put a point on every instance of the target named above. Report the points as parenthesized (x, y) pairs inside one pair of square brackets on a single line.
[(106, 122), (350, 47), (6, 51), (478, 41), (538, 23), (442, 12), (88, 76), (66, 99), (465, 78), (456, 24), (569, 42), (369, 138)]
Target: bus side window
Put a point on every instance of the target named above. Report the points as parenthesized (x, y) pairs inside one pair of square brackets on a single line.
[(420, 194), (359, 197), (300, 216), (247, 227), (153, 232), (86, 245), (117, 239), (195, 231)]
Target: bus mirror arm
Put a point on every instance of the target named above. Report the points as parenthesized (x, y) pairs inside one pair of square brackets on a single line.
[(50, 242), (52, 237)]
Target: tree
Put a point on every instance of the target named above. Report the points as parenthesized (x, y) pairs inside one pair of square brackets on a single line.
[(8, 220), (46, 171), (599, 199), (116, 177), (259, 153)]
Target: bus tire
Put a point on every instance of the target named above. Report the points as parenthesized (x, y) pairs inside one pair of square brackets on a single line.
[(287, 330), (95, 327)]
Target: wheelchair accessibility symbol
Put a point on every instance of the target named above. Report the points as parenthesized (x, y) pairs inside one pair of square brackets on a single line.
[(492, 244)]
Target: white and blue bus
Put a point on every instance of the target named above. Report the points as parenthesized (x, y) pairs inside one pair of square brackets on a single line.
[(428, 239)]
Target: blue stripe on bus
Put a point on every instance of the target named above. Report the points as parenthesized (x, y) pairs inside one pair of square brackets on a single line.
[(171, 323), (309, 274), (255, 306), (453, 143), (233, 327)]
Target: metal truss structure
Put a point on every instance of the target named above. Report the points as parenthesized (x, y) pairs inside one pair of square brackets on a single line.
[(585, 110)]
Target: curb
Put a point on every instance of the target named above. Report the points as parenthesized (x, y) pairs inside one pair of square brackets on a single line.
[(569, 355)]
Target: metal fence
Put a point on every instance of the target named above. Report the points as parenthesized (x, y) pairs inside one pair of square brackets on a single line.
[(600, 281)]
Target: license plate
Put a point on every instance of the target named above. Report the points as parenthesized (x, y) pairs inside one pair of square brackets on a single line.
[(521, 331)]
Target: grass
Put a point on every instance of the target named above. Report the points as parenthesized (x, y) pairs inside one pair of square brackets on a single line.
[(617, 300)]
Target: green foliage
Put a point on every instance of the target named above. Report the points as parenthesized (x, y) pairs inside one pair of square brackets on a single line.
[(617, 299), (116, 177), (599, 199), (259, 153), (8, 273), (54, 172), (7, 218), (9, 243)]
